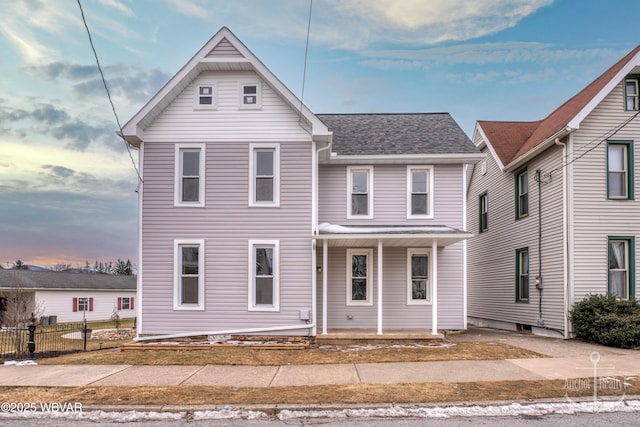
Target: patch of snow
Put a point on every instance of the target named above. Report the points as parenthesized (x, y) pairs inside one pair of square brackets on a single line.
[(341, 229), (514, 409), (20, 362), (363, 347)]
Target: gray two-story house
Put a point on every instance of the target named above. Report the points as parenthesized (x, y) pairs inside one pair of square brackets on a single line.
[(554, 207), (259, 217)]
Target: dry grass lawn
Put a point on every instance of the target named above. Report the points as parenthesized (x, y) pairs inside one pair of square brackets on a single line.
[(239, 355)]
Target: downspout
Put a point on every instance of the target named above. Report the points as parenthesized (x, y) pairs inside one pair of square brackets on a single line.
[(565, 243)]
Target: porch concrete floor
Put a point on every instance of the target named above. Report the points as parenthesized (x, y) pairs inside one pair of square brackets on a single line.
[(370, 336)]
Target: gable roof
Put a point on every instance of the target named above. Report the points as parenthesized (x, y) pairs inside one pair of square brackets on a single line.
[(397, 134), (33, 280), (223, 52), (511, 142)]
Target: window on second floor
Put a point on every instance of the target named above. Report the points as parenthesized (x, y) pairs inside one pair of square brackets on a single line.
[(360, 192), (264, 184), (419, 192), (189, 175), (620, 170), (522, 275), (483, 210), (631, 94), (522, 194)]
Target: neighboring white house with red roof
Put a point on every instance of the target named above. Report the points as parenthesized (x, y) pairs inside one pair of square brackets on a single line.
[(554, 207)]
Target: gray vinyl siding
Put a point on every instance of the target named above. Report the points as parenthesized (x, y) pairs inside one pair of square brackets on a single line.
[(390, 196), (491, 259), (227, 223), (595, 217), (396, 313)]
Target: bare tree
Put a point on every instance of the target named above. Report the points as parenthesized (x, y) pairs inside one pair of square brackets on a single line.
[(20, 303)]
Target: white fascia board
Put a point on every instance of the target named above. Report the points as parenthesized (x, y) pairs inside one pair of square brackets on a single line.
[(575, 122), (537, 149), (490, 147), (404, 158)]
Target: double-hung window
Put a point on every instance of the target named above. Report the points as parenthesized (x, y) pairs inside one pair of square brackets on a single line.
[(250, 95), (125, 303), (522, 194), (360, 192), (264, 185), (631, 94), (359, 276), (188, 290), (83, 304), (264, 279), (418, 284), (205, 97), (483, 209), (620, 170), (522, 275), (419, 192), (621, 267), (189, 175)]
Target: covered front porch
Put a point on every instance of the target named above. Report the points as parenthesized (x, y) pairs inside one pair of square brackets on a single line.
[(374, 266)]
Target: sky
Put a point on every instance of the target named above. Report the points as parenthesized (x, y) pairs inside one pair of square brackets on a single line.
[(67, 182)]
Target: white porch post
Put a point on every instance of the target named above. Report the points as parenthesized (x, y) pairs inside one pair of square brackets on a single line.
[(434, 287), (379, 287), (325, 252)]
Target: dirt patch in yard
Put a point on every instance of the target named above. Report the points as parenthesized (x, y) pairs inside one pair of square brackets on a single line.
[(239, 355)]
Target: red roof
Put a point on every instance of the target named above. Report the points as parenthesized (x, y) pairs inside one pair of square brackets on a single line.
[(511, 140)]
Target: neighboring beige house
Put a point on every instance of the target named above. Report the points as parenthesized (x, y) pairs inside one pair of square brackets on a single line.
[(258, 216), (554, 207), (65, 297)]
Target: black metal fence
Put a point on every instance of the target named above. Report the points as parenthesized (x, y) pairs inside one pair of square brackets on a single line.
[(48, 340)]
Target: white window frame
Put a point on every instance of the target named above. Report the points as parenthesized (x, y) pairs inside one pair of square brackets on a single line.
[(633, 97), (350, 171), (178, 244), (83, 304), (128, 303), (410, 253), (369, 277), (177, 185), (258, 103), (253, 245), (196, 96), (429, 172), (253, 148)]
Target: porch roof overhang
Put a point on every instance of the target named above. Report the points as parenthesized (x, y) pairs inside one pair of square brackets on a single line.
[(390, 235)]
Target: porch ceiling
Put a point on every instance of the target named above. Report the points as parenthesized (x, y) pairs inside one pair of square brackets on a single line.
[(390, 236)]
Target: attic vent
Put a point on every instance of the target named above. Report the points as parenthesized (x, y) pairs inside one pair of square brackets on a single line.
[(483, 167)]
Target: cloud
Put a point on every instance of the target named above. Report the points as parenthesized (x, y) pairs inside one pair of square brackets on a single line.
[(115, 4), (59, 171), (188, 8), (134, 84)]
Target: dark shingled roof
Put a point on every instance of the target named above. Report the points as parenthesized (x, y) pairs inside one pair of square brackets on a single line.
[(379, 134), (27, 279)]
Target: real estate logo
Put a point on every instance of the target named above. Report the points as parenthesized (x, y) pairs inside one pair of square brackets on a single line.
[(599, 384)]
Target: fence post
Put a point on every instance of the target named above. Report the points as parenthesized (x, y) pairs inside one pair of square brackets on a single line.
[(31, 345), (84, 334)]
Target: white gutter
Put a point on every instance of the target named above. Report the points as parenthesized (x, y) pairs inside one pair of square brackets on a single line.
[(403, 158), (227, 332)]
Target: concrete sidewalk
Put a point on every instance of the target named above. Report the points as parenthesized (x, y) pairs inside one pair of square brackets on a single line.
[(567, 359)]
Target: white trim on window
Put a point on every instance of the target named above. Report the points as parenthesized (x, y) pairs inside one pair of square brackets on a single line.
[(368, 299), (205, 96), (250, 98), (428, 171), (272, 273), (178, 275), (179, 174), (275, 176), (368, 191), (427, 295)]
